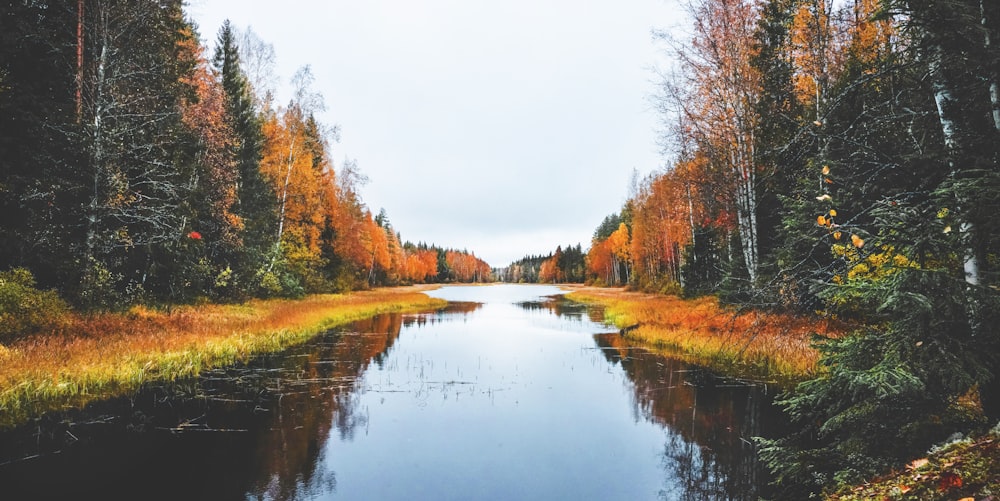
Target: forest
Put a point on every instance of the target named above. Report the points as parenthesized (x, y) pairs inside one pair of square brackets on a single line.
[(139, 165), (840, 160), (836, 160)]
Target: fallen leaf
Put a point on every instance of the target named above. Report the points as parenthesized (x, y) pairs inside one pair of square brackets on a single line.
[(836, 235), (904, 489), (833, 213), (917, 463), (820, 220), (824, 198), (968, 499), (948, 481), (826, 170)]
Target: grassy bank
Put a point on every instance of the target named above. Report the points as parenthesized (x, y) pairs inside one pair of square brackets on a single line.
[(105, 355), (752, 344)]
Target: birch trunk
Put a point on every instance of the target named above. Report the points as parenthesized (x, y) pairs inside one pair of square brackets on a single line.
[(945, 100), (96, 152), (284, 190), (79, 61), (746, 207), (992, 70), (694, 256)]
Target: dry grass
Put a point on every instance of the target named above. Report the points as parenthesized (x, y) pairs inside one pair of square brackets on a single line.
[(104, 355), (752, 344)]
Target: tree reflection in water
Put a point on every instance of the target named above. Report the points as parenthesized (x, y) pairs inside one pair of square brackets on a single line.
[(280, 426), (710, 421)]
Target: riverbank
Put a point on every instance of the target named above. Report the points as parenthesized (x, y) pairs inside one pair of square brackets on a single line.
[(777, 347), (745, 344), (110, 354)]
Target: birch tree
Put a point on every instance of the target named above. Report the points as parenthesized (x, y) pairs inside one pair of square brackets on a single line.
[(131, 122), (716, 97)]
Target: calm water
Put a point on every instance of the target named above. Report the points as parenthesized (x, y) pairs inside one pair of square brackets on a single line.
[(507, 394)]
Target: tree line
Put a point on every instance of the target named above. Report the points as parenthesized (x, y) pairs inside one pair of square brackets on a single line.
[(562, 266), (137, 164), (840, 159)]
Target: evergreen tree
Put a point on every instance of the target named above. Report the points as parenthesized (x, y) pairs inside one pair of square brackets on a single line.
[(905, 152), (703, 264), (255, 197), (780, 159), (41, 179)]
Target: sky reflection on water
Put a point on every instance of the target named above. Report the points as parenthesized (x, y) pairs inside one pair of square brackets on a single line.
[(507, 394)]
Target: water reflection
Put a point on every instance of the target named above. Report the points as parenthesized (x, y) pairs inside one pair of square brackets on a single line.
[(253, 432), (506, 394), (711, 421), (557, 304)]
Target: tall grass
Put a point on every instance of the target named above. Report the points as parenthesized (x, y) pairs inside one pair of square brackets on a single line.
[(104, 355), (751, 344)]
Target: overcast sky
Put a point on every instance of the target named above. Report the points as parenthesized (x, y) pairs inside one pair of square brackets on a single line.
[(505, 128)]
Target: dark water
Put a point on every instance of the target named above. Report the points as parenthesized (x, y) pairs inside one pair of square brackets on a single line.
[(507, 394)]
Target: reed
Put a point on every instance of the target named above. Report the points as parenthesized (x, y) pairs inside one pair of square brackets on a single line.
[(747, 344), (110, 354)]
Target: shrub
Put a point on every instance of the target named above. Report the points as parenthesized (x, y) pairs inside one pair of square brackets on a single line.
[(25, 309)]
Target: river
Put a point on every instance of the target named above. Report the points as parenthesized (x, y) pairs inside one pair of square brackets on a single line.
[(509, 393)]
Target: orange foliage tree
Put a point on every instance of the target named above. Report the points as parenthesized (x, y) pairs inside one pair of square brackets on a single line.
[(601, 262), (466, 267), (294, 162)]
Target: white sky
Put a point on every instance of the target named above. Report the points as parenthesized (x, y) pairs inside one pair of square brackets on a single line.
[(505, 128)]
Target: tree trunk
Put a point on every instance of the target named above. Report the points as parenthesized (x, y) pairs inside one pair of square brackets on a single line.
[(79, 61), (694, 255), (746, 208), (96, 154), (947, 108)]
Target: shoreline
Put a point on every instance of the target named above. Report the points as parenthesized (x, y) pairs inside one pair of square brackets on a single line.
[(112, 354), (753, 344)]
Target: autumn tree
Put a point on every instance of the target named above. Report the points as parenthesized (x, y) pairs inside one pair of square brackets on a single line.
[(715, 96), (131, 122), (295, 163), (207, 263)]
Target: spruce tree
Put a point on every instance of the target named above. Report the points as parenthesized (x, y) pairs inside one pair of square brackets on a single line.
[(256, 200), (927, 339)]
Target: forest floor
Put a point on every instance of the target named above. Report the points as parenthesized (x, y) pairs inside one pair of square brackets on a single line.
[(109, 354), (749, 344), (964, 470)]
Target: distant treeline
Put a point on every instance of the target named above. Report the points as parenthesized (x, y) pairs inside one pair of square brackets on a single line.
[(561, 266), (138, 165)]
